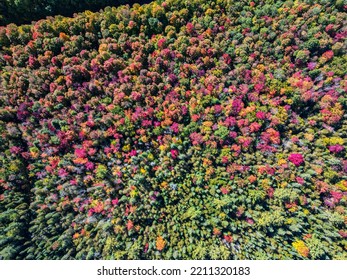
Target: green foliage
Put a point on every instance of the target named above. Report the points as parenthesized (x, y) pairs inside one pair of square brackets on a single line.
[(25, 11)]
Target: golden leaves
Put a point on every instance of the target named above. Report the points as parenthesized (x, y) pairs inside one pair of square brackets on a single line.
[(301, 248)]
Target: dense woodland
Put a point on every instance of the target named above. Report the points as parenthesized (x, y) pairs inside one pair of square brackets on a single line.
[(25, 11), (175, 130)]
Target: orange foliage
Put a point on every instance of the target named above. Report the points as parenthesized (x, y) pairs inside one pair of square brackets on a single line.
[(160, 243)]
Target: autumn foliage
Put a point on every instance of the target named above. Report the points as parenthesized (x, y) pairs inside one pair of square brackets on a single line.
[(176, 130)]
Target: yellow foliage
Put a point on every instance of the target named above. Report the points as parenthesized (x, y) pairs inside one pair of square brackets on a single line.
[(342, 185), (333, 141), (282, 114), (301, 248), (13, 168), (133, 192), (162, 148), (265, 183), (126, 148)]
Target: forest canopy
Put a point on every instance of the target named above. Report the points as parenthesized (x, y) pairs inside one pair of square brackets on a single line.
[(176, 130), (25, 11)]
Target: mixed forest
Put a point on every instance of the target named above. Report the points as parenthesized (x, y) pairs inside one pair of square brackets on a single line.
[(175, 130)]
